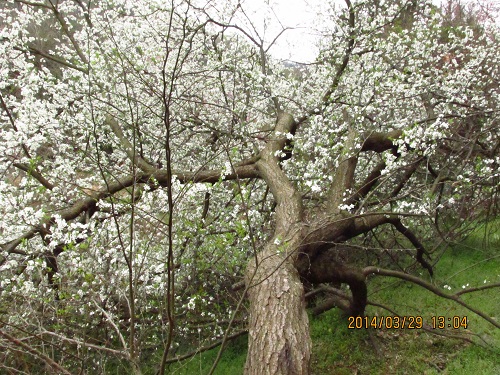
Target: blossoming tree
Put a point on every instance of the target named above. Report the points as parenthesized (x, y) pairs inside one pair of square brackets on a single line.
[(161, 171)]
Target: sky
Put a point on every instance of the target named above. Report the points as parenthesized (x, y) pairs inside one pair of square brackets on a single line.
[(297, 44)]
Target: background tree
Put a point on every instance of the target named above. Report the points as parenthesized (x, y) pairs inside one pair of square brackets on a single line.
[(154, 156)]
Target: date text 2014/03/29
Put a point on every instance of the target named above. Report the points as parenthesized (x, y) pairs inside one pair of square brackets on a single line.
[(408, 322)]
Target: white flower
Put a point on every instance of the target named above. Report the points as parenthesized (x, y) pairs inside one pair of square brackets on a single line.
[(192, 303), (346, 207)]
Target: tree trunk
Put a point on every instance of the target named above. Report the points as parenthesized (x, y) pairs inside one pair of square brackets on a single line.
[(279, 341)]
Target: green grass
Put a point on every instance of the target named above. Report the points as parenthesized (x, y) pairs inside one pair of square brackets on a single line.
[(232, 361), (339, 350)]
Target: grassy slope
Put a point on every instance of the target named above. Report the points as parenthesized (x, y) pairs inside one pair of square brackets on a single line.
[(338, 350)]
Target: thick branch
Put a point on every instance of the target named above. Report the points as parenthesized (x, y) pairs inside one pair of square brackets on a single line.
[(343, 179), (330, 303), (368, 184), (406, 177), (159, 176), (288, 200), (322, 234), (363, 224), (212, 176), (127, 146), (35, 174), (409, 171), (380, 142), (324, 268), (336, 298)]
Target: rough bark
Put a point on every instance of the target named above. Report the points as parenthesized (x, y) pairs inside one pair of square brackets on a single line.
[(278, 341)]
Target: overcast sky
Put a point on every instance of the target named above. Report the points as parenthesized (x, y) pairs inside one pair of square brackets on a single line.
[(297, 44)]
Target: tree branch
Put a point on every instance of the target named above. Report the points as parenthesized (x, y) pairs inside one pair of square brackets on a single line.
[(35, 174), (133, 155), (477, 289), (324, 268), (206, 347), (68, 33), (380, 142), (119, 353), (288, 200), (371, 270), (343, 179), (347, 55), (12, 122), (35, 353), (159, 176), (31, 3), (405, 178), (367, 184), (415, 242), (53, 58)]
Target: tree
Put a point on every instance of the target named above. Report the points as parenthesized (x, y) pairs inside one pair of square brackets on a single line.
[(156, 155)]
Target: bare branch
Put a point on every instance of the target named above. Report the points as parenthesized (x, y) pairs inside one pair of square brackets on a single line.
[(117, 330), (415, 242), (371, 270), (236, 27), (34, 352), (119, 353), (206, 347), (477, 289)]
